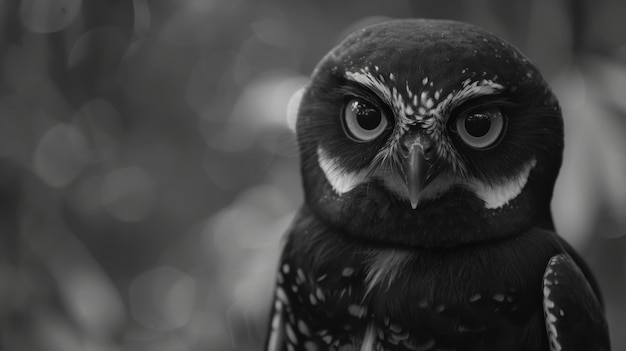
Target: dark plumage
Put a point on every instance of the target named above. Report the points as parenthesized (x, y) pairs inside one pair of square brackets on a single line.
[(429, 151)]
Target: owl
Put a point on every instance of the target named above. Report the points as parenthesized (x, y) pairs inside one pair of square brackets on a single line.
[(429, 150)]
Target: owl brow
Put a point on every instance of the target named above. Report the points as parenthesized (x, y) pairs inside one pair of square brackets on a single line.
[(386, 92), (356, 89), (469, 91)]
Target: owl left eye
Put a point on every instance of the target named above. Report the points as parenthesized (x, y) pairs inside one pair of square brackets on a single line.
[(363, 121), (480, 129)]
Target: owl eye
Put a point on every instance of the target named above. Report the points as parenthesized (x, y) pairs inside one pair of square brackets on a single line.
[(480, 129), (363, 121)]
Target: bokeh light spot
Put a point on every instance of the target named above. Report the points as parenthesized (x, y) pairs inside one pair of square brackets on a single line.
[(92, 300), (112, 45), (47, 16), (60, 155), (128, 194), (162, 298)]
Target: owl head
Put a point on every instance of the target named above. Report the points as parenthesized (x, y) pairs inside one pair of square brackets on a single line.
[(428, 133)]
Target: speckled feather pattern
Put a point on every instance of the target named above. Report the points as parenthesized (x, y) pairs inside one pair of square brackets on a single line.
[(338, 294)]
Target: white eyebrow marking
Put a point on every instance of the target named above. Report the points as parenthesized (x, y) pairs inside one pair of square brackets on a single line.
[(388, 93), (339, 178), (496, 196)]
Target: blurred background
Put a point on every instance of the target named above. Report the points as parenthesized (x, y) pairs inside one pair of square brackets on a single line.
[(147, 173)]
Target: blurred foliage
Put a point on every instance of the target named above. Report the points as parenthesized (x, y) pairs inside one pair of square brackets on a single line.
[(147, 173)]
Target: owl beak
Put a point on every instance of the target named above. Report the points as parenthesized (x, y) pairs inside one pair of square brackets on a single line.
[(415, 169)]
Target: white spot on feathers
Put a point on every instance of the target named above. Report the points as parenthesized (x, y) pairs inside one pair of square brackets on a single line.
[(348, 271), (399, 337), (303, 328), (277, 326), (301, 275), (319, 294), (395, 328), (310, 346), (328, 339), (281, 295), (548, 306), (312, 299), (357, 310), (291, 334)]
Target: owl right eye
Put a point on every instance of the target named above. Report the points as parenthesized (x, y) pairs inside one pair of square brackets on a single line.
[(362, 121)]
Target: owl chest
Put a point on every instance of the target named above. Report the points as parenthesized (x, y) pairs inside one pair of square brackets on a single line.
[(399, 301)]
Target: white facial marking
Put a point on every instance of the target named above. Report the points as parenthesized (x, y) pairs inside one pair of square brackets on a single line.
[(340, 179), (496, 196)]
